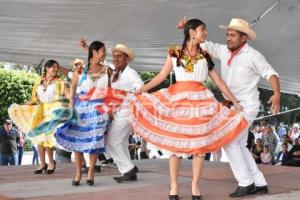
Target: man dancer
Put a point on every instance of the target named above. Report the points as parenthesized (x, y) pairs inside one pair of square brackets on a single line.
[(241, 67), (127, 79)]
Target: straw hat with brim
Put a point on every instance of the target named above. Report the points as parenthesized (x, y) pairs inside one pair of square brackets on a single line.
[(242, 26), (77, 61), (124, 49)]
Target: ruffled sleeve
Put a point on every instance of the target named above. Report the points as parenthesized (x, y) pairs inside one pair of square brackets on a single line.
[(34, 89)]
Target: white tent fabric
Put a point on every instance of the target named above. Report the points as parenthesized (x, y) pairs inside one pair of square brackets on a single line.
[(32, 30)]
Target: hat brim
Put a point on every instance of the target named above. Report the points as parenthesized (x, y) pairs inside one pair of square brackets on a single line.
[(128, 52), (249, 32)]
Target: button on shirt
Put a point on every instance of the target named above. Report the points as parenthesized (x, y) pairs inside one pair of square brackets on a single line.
[(243, 74)]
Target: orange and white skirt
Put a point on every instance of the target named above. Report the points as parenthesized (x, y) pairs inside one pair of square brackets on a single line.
[(184, 119)]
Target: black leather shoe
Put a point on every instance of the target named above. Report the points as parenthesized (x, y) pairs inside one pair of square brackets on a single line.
[(122, 179), (108, 161), (196, 197), (242, 191), (90, 182), (173, 197), (51, 171), (39, 171), (132, 171), (260, 190), (75, 183)]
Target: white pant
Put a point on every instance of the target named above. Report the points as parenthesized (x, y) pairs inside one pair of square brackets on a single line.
[(117, 144), (240, 159)]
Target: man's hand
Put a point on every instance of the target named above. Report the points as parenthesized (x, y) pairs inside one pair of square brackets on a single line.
[(182, 23), (275, 103)]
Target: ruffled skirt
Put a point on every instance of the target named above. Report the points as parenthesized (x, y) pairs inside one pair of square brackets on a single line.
[(28, 117), (184, 119), (84, 131)]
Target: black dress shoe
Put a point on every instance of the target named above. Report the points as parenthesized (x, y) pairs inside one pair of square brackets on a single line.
[(196, 197), (51, 171), (260, 190), (173, 197), (75, 183), (90, 182), (131, 172), (242, 191), (39, 171), (122, 179), (108, 161)]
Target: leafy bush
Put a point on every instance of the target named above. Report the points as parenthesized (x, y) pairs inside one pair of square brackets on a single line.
[(15, 87)]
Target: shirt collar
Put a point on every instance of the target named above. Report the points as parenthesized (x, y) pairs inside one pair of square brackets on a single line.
[(244, 49)]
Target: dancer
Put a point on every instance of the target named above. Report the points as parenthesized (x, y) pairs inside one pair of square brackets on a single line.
[(185, 119), (242, 66), (126, 79), (48, 94), (84, 132)]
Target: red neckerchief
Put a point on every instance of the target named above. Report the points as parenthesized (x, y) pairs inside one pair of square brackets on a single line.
[(234, 53)]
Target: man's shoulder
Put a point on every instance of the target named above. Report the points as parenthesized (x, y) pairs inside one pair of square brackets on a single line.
[(132, 73), (253, 52)]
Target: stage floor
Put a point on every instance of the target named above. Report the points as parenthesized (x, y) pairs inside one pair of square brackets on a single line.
[(19, 182)]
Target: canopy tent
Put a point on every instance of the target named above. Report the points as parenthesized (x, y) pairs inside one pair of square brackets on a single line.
[(32, 30)]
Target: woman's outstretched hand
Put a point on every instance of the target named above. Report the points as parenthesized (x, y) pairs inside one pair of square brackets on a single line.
[(182, 23), (83, 43)]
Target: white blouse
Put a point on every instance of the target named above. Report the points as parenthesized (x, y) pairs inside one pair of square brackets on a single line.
[(199, 74), (48, 95), (88, 83)]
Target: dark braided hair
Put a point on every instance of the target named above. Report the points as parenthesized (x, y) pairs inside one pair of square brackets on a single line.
[(194, 24), (49, 64), (96, 45)]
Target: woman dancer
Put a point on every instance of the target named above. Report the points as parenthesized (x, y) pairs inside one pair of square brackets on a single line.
[(84, 132), (48, 94)]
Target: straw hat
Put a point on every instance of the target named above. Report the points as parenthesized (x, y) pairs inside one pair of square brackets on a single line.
[(242, 26), (124, 49), (77, 61)]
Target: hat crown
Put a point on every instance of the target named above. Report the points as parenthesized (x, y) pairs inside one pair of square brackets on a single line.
[(125, 49), (238, 22), (121, 46)]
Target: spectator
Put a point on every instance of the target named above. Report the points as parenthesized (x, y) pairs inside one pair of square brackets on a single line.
[(144, 154), (9, 138), (257, 132), (288, 142), (283, 155), (269, 139), (281, 131), (35, 158), (295, 133), (295, 154), (266, 157), (256, 151), (21, 145)]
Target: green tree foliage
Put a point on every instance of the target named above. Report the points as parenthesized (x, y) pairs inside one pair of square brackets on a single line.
[(15, 87)]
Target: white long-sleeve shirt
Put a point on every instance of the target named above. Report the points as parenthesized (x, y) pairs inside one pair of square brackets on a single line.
[(243, 74), (130, 81)]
